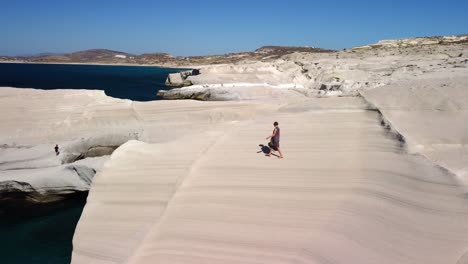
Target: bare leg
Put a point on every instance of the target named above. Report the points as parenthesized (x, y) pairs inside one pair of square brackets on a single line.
[(281, 154)]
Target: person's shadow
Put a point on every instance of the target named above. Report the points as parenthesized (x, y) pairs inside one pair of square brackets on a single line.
[(265, 150)]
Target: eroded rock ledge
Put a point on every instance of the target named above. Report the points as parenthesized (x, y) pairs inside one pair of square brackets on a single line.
[(179, 79), (88, 126), (43, 177)]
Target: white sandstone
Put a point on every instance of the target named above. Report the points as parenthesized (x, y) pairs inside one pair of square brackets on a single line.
[(375, 145)]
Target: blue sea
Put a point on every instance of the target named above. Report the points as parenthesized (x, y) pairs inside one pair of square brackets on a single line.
[(137, 83), (37, 234)]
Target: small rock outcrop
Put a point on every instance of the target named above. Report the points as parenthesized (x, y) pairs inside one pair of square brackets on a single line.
[(14, 187), (178, 94), (179, 79)]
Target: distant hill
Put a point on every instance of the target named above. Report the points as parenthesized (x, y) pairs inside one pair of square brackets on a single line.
[(97, 55), (288, 50), (44, 54), (261, 54), (106, 56), (264, 53), (86, 56)]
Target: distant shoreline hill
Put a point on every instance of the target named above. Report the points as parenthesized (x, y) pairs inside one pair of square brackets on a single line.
[(266, 53), (105, 56)]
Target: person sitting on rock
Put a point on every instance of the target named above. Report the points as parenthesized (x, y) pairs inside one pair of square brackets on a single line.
[(275, 139)]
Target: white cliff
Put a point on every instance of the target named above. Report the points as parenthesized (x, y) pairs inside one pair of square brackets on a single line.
[(346, 191), (341, 73), (88, 126), (375, 171), (376, 175), (421, 79)]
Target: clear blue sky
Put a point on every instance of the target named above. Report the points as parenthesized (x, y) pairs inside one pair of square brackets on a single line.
[(200, 27)]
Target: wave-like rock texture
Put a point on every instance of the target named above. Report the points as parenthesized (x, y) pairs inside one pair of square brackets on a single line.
[(88, 126), (199, 190), (431, 114), (33, 121), (418, 84), (346, 192)]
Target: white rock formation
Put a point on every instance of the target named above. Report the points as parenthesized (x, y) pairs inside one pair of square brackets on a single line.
[(179, 79), (346, 192), (421, 41), (432, 115), (421, 79), (377, 176), (85, 125), (343, 73)]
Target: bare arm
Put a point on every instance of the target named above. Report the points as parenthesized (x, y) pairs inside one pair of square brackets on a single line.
[(274, 133)]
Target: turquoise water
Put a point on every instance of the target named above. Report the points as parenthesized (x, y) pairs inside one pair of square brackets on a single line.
[(37, 234), (137, 83)]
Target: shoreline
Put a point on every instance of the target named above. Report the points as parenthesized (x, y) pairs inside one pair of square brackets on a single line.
[(96, 64)]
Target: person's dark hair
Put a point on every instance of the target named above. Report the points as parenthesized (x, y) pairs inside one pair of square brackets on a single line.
[(275, 124)]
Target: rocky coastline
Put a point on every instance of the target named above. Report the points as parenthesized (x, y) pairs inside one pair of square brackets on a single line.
[(373, 136)]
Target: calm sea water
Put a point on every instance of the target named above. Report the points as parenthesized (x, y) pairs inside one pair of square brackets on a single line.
[(137, 83), (43, 233), (39, 233)]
